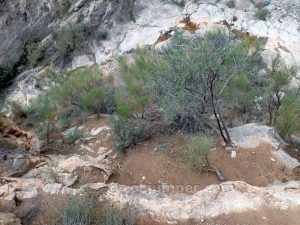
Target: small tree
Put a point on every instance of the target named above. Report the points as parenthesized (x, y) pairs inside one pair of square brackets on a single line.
[(45, 111), (136, 93), (190, 75), (132, 99)]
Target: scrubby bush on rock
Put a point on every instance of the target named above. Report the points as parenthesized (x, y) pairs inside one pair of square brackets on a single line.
[(82, 90)]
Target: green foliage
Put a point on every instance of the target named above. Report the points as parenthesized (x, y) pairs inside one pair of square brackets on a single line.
[(129, 132), (69, 38), (73, 135), (84, 90), (135, 95), (53, 173), (78, 211), (87, 210), (197, 151), (43, 107), (116, 217), (240, 93), (179, 75), (288, 120), (97, 100), (279, 77), (35, 53), (261, 14), (230, 3)]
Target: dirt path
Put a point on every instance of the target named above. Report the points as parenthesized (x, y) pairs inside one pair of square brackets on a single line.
[(158, 164)]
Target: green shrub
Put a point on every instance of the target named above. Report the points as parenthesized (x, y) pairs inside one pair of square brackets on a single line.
[(129, 132), (196, 155), (178, 77), (35, 53), (74, 92), (116, 217), (78, 211), (230, 3), (278, 79), (17, 110), (69, 38), (73, 135), (135, 95), (288, 120), (261, 14), (97, 100), (87, 210)]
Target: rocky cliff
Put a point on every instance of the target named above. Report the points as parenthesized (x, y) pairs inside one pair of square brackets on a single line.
[(65, 34)]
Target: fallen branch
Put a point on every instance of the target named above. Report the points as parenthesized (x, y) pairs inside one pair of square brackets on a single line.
[(217, 171)]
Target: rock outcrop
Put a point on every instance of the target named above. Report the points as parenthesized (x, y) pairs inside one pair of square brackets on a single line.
[(125, 25), (13, 135), (252, 135), (226, 198)]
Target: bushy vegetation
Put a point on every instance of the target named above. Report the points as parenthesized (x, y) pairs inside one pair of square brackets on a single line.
[(35, 53), (69, 38), (87, 210), (73, 135), (82, 90), (188, 84), (288, 120), (196, 154), (230, 3), (261, 14), (129, 132), (279, 77)]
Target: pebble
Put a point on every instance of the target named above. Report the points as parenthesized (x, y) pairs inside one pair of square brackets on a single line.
[(233, 154), (272, 159)]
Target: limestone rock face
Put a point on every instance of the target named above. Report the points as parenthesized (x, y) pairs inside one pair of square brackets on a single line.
[(226, 198), (21, 21)]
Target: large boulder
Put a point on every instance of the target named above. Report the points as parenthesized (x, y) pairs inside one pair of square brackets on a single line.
[(252, 135)]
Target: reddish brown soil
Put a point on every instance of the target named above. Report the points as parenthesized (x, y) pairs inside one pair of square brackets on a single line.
[(160, 161)]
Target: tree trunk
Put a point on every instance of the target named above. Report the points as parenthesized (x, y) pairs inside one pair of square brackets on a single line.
[(48, 132), (228, 138)]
